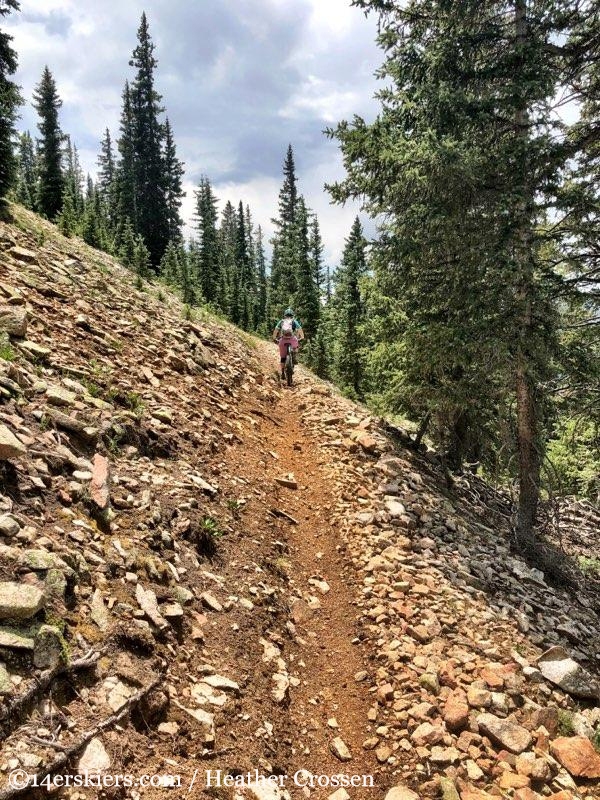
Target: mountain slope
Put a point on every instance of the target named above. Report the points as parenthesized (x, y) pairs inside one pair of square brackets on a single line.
[(186, 604)]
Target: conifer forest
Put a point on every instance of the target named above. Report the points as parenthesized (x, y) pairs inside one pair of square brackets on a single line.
[(471, 318)]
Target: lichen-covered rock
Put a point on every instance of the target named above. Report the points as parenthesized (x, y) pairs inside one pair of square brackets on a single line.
[(19, 600), (49, 648)]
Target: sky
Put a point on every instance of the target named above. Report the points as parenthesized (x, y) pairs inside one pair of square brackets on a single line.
[(240, 79)]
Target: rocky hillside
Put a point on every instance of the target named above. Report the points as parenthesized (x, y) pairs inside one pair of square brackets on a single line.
[(245, 591)]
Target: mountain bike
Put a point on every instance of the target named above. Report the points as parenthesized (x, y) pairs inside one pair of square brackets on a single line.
[(289, 366)]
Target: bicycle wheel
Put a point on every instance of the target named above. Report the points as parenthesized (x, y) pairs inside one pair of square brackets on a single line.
[(289, 367)]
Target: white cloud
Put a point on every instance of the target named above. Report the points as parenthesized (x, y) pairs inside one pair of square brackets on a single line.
[(323, 99), (240, 79)]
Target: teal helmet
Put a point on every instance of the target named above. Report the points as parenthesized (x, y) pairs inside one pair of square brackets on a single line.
[(289, 312)]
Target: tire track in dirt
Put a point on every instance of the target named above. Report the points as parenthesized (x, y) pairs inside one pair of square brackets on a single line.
[(324, 655)]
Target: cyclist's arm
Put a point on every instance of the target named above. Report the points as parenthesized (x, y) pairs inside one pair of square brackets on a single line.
[(300, 332), (276, 333)]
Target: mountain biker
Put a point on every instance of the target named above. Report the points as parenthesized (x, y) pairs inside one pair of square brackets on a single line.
[(288, 331)]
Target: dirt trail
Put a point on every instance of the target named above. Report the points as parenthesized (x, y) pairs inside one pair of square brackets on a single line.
[(324, 655)]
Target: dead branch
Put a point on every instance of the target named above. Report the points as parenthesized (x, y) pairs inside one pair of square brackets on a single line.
[(68, 752), (16, 707)]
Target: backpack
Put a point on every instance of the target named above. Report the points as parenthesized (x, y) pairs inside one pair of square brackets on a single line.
[(287, 328)]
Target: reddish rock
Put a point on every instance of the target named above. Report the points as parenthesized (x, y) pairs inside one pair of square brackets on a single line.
[(471, 793), (99, 490), (492, 679), (456, 711), (526, 794), (577, 755), (510, 780)]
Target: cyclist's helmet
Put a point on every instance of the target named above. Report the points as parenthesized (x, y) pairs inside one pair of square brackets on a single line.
[(289, 312)]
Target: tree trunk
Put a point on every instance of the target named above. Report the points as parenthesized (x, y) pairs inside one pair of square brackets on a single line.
[(529, 458), (527, 417)]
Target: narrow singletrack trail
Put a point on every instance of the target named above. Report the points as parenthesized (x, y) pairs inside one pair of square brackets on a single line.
[(328, 702)]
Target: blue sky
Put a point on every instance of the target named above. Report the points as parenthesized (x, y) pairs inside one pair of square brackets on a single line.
[(240, 79)]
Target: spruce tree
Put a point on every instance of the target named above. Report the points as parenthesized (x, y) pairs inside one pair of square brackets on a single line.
[(306, 298), (73, 176), (209, 263), (348, 313), (151, 218), (463, 162), (227, 288), (10, 99), (26, 190), (127, 243), (316, 254), (260, 319), (173, 188), (126, 186), (51, 180), (107, 180), (283, 284)]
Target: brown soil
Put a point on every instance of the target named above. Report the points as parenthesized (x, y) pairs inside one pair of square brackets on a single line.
[(326, 645)]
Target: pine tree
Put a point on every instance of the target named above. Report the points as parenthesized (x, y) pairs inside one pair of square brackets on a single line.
[(173, 188), (73, 177), (127, 243), (126, 187), (51, 180), (141, 258), (316, 254), (26, 191), (228, 234), (463, 162), (107, 180), (283, 284), (306, 299), (151, 218), (208, 251), (10, 99), (94, 222), (260, 319), (348, 312)]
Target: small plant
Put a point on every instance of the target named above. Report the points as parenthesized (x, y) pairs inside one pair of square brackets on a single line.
[(6, 351), (589, 566), (114, 444), (595, 739), (188, 313), (139, 283), (565, 723), (161, 296), (41, 237), (45, 422), (117, 345), (134, 403), (234, 506), (211, 526), (92, 388)]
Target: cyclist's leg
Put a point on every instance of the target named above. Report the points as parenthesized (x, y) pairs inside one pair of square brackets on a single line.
[(282, 356)]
